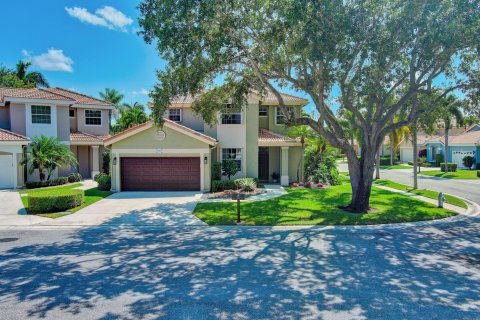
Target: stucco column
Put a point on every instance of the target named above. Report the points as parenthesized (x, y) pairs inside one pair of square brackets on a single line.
[(15, 169), (95, 161), (116, 170), (284, 179)]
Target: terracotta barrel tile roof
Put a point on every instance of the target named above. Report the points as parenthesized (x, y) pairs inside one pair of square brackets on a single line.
[(6, 135), (78, 136), (31, 93), (51, 94), (266, 135), (78, 97)]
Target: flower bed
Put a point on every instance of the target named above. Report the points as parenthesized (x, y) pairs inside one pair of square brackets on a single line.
[(308, 185)]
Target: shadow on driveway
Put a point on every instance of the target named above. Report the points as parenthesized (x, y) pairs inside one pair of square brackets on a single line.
[(126, 272)]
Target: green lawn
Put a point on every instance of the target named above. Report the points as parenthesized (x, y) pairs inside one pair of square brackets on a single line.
[(426, 193), (320, 207), (397, 166), (459, 174), (91, 196)]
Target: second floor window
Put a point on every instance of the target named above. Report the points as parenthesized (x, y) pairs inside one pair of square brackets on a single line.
[(231, 115), (280, 119), (42, 114), (233, 154), (263, 111), (175, 115), (93, 117)]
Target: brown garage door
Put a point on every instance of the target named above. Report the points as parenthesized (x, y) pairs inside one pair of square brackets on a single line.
[(160, 174)]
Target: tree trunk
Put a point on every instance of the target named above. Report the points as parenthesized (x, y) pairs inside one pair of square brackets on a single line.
[(446, 151), (41, 174), (391, 151), (377, 167), (361, 179), (415, 155)]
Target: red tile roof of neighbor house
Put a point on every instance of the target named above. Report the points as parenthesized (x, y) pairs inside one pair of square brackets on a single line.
[(266, 135), (78, 136), (6, 135), (149, 123), (79, 98), (51, 94)]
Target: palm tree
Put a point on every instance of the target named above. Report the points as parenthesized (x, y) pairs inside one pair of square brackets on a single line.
[(47, 154), (130, 115), (34, 77), (303, 133), (396, 138), (115, 98), (451, 110)]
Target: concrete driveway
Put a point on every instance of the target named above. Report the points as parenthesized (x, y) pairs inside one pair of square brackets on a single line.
[(12, 212), (136, 208)]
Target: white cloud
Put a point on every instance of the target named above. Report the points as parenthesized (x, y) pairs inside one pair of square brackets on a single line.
[(107, 16), (141, 92), (115, 17), (52, 60)]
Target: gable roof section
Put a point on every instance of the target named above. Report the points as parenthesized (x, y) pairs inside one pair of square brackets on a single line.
[(6, 135), (467, 138), (168, 123), (7, 94), (79, 98), (50, 94), (266, 137)]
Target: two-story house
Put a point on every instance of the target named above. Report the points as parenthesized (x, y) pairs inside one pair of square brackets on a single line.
[(180, 155), (80, 121)]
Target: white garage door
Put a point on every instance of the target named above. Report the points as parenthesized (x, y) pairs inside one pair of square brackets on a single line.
[(457, 157), (406, 154), (6, 172)]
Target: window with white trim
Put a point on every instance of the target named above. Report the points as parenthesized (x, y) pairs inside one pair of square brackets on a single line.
[(279, 117), (263, 111), (231, 115), (93, 117), (233, 154), (175, 114), (42, 114)]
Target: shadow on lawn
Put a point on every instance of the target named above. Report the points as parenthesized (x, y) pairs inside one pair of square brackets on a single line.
[(127, 272)]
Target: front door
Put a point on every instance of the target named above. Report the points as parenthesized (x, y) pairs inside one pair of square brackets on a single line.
[(263, 163)]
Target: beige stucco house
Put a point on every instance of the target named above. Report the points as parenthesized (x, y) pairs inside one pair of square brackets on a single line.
[(180, 155), (80, 121)]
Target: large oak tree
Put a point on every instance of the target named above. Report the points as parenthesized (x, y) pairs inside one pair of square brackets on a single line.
[(370, 58)]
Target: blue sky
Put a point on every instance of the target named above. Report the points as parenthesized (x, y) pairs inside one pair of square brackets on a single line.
[(82, 45)]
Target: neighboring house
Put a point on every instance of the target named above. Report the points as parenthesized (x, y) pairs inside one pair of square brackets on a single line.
[(461, 142), (180, 155), (80, 121)]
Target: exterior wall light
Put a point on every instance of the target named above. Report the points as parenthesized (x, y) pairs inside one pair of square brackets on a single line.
[(205, 160), (114, 161)]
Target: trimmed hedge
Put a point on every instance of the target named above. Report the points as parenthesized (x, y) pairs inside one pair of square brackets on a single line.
[(385, 161), (452, 167), (104, 183), (74, 177), (478, 173), (221, 185), (44, 203), (46, 183), (98, 175), (438, 160)]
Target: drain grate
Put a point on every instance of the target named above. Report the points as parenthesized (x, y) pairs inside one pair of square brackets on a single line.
[(8, 239)]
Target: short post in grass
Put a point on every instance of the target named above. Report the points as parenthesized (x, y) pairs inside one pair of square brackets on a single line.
[(238, 196), (441, 199)]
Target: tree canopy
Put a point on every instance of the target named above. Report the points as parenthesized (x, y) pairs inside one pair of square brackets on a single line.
[(378, 54)]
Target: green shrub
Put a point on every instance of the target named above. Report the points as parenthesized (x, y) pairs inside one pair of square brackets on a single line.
[(229, 168), (438, 159), (104, 183), (468, 161), (246, 184), (55, 202), (217, 171), (98, 175), (221, 185), (452, 167), (478, 173), (46, 183), (384, 161), (106, 163), (410, 163), (74, 177)]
